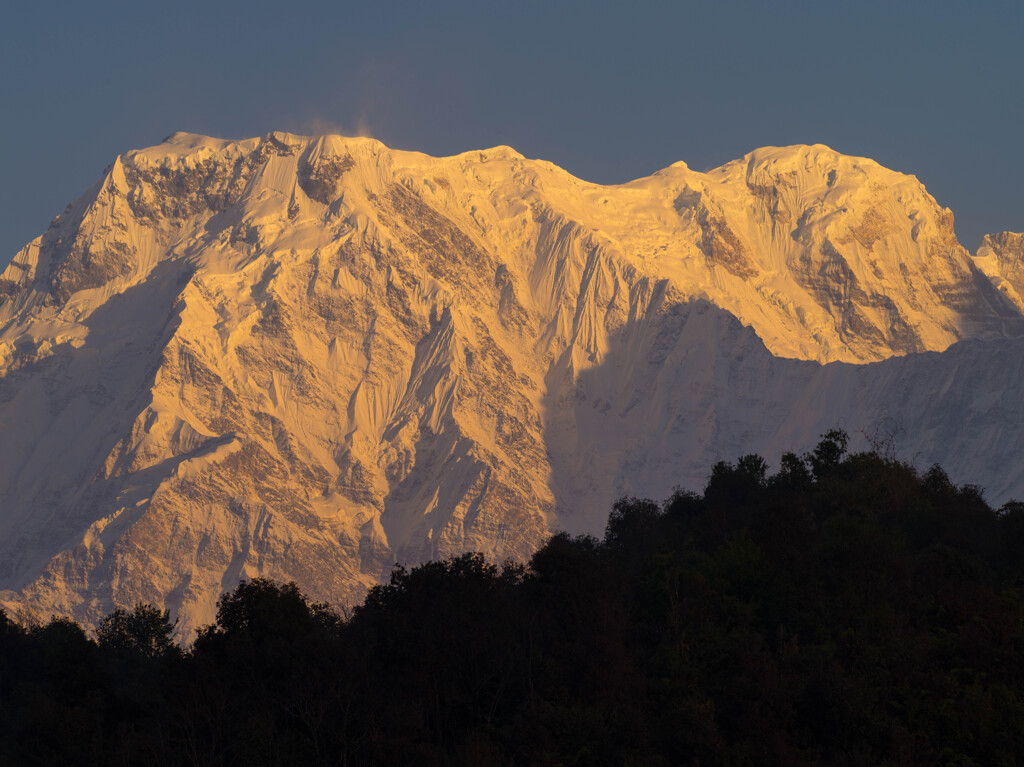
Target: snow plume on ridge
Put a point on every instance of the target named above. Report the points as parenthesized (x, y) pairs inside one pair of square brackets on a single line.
[(309, 358)]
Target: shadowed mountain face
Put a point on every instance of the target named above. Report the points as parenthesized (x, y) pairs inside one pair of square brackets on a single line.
[(309, 359)]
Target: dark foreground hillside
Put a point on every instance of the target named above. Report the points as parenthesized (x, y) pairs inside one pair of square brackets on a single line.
[(847, 610)]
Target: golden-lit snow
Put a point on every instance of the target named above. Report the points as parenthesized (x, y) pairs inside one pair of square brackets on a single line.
[(309, 358)]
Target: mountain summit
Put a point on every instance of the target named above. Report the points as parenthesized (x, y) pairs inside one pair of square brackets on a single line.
[(311, 358)]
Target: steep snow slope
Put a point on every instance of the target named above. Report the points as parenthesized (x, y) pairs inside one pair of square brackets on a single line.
[(703, 388), (1001, 259), (309, 358)]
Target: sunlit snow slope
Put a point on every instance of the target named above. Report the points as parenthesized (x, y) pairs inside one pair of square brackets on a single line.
[(309, 358)]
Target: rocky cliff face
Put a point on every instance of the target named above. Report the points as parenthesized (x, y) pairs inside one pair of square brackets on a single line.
[(312, 358)]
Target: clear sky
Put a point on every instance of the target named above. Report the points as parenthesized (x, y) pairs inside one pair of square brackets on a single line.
[(609, 91)]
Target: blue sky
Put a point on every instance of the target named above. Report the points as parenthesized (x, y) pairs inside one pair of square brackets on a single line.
[(610, 91)]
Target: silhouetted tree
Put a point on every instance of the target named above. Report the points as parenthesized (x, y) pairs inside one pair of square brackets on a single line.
[(145, 630), (829, 452), (847, 610)]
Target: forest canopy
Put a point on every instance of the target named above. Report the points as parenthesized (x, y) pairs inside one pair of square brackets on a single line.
[(848, 609)]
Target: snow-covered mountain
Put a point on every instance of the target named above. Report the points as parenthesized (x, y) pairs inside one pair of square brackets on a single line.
[(309, 358), (1001, 258)]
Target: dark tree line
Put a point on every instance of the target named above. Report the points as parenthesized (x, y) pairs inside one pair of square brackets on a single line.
[(847, 610)]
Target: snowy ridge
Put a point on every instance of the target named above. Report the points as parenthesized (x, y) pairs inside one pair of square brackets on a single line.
[(1001, 259), (309, 358)]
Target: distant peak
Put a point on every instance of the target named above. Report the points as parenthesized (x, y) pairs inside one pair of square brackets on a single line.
[(287, 139), (502, 150), (782, 155), (184, 138)]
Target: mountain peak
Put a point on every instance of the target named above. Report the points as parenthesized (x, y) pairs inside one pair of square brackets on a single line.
[(312, 357), (1001, 259)]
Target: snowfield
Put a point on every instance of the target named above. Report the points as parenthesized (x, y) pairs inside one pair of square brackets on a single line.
[(312, 358)]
